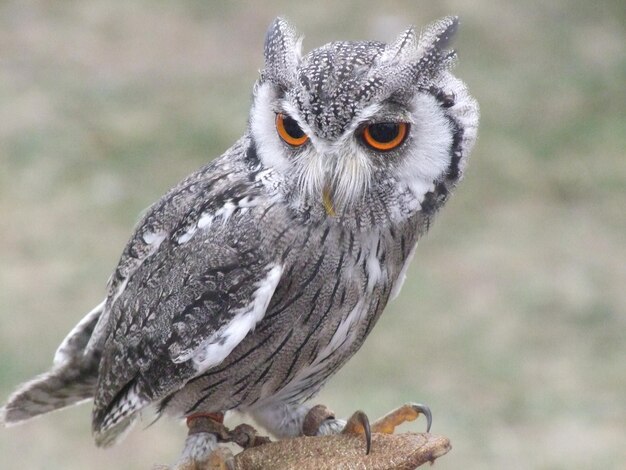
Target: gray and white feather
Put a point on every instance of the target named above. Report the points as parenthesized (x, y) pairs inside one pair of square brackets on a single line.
[(257, 277)]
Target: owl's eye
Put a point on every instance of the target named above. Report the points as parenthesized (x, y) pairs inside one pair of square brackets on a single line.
[(384, 136), (289, 130)]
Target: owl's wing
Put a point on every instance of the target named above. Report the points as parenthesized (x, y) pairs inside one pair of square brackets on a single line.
[(201, 286)]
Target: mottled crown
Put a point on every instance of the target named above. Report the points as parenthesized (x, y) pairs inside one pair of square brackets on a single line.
[(332, 83)]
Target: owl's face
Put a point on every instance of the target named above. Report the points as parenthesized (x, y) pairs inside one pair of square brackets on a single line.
[(350, 118)]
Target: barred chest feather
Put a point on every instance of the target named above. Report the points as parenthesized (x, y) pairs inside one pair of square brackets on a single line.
[(347, 301), (335, 284)]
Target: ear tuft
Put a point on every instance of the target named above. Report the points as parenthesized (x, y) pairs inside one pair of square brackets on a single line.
[(402, 49), (411, 63), (438, 35), (282, 52)]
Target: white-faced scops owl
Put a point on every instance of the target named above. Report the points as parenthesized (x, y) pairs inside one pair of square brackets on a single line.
[(257, 277)]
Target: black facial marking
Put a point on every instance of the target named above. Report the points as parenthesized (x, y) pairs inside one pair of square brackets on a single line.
[(453, 173), (434, 199), (447, 100), (251, 154)]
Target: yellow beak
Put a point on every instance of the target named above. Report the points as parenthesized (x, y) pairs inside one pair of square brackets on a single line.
[(327, 201)]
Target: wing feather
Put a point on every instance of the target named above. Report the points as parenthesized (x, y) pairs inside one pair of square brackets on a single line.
[(186, 305)]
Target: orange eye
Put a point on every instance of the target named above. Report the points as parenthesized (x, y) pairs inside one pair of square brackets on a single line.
[(289, 130), (385, 136)]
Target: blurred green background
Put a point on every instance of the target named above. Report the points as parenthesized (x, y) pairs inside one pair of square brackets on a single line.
[(512, 323)]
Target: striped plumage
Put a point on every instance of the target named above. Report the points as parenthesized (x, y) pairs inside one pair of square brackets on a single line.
[(257, 277)]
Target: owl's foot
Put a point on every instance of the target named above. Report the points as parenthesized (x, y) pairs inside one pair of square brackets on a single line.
[(320, 421), (202, 451), (408, 412)]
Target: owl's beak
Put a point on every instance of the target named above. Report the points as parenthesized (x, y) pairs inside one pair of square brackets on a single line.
[(327, 201)]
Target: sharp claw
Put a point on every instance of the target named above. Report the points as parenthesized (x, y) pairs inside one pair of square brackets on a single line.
[(365, 422), (426, 412), (359, 422), (429, 419), (368, 433)]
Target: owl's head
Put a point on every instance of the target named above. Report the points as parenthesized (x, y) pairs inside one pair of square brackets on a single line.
[(353, 122)]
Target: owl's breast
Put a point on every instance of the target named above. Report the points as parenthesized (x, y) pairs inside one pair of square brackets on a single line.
[(333, 292), (334, 286)]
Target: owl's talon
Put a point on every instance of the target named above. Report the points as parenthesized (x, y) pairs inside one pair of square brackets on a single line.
[(314, 419), (408, 412), (208, 423), (245, 436), (359, 423), (425, 410)]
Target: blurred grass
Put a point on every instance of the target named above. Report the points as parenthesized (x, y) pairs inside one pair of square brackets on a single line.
[(511, 324)]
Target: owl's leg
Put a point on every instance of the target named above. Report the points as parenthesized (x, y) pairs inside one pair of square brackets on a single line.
[(201, 445), (281, 419), (206, 430)]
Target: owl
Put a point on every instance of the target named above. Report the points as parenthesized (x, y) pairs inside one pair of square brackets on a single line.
[(257, 277)]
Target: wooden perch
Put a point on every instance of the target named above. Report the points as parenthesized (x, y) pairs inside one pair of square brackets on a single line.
[(342, 451)]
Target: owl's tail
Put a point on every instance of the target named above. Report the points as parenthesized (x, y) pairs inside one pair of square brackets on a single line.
[(71, 380), (58, 388)]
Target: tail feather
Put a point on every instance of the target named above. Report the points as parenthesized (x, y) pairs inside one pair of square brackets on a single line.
[(75, 343), (115, 433), (61, 387), (71, 380)]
